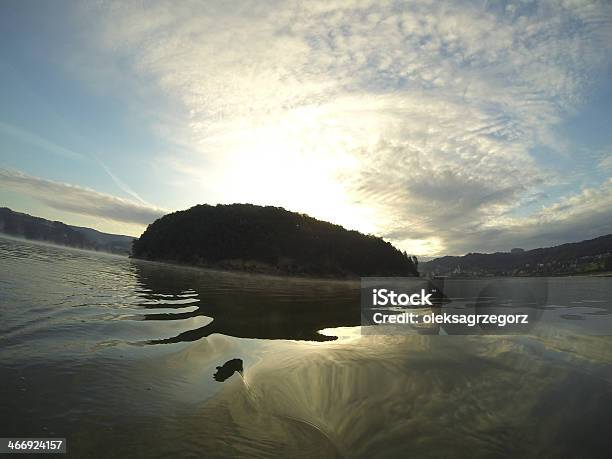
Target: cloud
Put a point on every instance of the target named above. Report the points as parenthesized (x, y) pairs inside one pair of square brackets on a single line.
[(588, 213), (79, 200), (417, 121), (60, 151), (40, 142), (605, 164), (122, 185), (583, 215)]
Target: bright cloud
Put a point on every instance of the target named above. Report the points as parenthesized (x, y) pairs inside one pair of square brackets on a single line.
[(417, 121), (79, 200)]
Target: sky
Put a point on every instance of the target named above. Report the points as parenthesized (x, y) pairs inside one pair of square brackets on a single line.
[(444, 127)]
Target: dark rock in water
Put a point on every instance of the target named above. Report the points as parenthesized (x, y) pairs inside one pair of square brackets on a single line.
[(436, 288), (228, 369)]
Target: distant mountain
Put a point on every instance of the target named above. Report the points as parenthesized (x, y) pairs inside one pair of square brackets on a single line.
[(39, 229), (591, 256), (268, 239), (114, 243)]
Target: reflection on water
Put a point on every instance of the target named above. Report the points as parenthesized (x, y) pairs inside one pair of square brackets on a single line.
[(248, 306), (73, 364)]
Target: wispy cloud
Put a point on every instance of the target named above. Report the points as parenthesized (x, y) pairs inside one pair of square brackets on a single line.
[(414, 120), (47, 145), (122, 185), (40, 142), (79, 200), (605, 163), (587, 213)]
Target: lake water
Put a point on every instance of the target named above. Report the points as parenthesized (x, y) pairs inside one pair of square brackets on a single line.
[(120, 357)]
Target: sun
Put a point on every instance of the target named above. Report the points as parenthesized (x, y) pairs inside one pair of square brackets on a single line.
[(296, 161)]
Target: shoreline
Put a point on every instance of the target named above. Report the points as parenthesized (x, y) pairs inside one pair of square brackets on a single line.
[(240, 272), (279, 274), (62, 246)]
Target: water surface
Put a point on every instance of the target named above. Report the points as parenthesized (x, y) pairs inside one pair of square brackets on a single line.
[(134, 359)]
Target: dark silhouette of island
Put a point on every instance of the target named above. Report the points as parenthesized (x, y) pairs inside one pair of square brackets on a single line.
[(245, 305), (268, 239), (26, 226), (586, 257)]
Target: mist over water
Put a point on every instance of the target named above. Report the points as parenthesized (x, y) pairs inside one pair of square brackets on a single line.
[(127, 358)]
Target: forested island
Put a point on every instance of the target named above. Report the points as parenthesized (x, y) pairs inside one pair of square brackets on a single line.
[(271, 240), (586, 257)]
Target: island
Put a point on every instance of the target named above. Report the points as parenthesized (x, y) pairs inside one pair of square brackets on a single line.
[(268, 239)]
